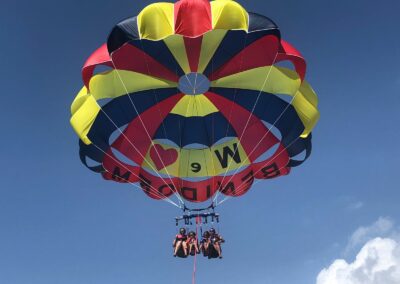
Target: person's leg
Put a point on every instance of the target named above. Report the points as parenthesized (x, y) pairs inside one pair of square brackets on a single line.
[(206, 248), (218, 249), (196, 246), (177, 247), (184, 245)]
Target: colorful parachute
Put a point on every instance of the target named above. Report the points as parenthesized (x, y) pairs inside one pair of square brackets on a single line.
[(195, 99)]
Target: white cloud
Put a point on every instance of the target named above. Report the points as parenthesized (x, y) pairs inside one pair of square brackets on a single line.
[(378, 262)]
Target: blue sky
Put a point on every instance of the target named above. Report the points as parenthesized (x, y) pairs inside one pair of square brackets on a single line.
[(60, 223)]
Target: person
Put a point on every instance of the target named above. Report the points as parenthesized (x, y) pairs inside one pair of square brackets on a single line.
[(204, 243), (180, 242), (215, 241), (192, 243)]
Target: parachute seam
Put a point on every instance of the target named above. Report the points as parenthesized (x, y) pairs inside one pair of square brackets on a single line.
[(273, 125), (144, 127), (248, 120), (158, 107), (230, 115), (187, 166), (205, 157)]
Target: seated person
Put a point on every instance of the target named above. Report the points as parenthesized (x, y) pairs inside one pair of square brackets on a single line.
[(205, 242), (192, 243), (180, 242), (215, 241)]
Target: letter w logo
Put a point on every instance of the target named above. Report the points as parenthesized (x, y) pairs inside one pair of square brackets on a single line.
[(226, 153)]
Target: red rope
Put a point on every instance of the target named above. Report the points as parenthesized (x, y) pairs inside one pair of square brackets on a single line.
[(195, 255)]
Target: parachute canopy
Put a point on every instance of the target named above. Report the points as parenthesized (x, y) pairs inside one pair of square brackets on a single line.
[(195, 98)]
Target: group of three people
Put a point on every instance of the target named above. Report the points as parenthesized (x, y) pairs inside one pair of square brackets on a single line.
[(211, 240)]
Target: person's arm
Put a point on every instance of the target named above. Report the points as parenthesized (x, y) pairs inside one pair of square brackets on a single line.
[(174, 242)]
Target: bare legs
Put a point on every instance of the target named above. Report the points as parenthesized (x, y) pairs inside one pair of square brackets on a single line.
[(195, 246), (204, 247), (218, 249), (178, 245)]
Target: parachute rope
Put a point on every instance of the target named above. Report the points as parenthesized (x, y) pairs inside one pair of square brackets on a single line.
[(164, 129), (238, 192), (156, 192), (130, 142), (205, 159), (195, 255), (248, 120), (269, 130), (215, 199), (144, 127), (180, 149)]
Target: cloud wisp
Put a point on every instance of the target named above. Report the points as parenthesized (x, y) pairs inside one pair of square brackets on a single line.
[(383, 227), (356, 206)]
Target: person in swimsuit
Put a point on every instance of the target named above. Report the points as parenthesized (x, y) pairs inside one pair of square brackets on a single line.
[(205, 242), (192, 243), (180, 242), (215, 241)]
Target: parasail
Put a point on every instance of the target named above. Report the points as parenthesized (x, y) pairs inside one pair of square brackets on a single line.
[(196, 99)]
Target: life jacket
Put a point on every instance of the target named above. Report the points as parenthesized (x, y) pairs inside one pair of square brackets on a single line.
[(191, 240), (180, 237)]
